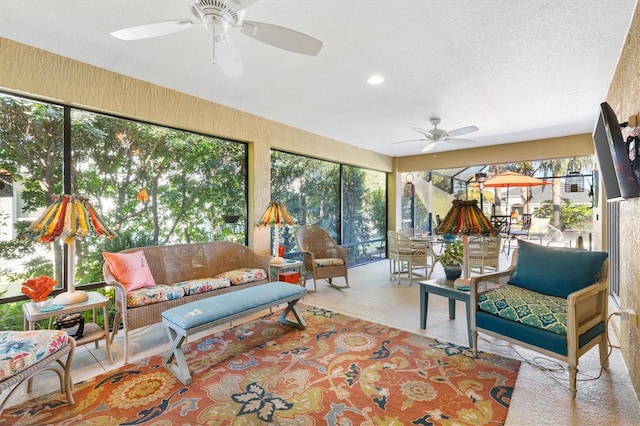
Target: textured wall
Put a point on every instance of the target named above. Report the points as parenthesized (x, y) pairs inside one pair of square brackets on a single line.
[(29, 71), (625, 92)]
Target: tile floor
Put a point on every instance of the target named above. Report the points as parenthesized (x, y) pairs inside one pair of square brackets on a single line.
[(541, 396)]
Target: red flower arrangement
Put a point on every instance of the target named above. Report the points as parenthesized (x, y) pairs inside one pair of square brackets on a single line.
[(38, 289)]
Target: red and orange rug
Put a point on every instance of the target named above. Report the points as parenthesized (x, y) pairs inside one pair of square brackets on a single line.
[(340, 370)]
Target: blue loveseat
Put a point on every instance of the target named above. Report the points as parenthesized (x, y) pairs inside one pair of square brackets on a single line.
[(552, 300)]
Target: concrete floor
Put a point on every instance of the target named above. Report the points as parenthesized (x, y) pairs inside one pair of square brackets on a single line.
[(541, 396)]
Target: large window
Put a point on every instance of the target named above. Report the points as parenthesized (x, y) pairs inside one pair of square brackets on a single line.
[(348, 202), (151, 184)]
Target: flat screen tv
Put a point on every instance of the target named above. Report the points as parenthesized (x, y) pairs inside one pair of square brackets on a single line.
[(613, 157)]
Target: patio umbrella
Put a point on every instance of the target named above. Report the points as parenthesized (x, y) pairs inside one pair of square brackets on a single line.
[(512, 179)]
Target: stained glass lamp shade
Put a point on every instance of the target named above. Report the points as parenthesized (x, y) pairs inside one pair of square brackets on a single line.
[(275, 215), (69, 218), (465, 218)]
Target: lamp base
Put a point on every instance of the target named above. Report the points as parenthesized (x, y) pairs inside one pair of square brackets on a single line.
[(70, 298)]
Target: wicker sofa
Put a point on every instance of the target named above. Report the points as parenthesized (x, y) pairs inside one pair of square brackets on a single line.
[(174, 269)]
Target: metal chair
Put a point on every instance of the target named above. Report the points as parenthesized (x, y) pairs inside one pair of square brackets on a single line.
[(523, 232), (323, 258), (502, 224)]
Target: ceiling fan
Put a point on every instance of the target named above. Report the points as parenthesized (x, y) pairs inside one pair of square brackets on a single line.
[(217, 16), (435, 135)]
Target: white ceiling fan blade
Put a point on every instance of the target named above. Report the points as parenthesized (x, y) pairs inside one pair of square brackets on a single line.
[(456, 140), (462, 131), (411, 140), (229, 59), (429, 147), (281, 37), (156, 29)]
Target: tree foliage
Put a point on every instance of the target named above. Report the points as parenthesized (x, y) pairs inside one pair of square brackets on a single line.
[(191, 181)]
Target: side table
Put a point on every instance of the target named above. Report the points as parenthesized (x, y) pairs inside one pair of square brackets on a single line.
[(284, 266), (92, 331), (444, 287)]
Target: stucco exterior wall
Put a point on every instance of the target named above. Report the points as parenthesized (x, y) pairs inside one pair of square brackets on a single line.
[(625, 92)]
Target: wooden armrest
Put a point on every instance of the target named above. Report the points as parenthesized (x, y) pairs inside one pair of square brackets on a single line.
[(586, 308)]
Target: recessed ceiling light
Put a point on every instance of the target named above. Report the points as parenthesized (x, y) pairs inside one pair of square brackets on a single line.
[(375, 79)]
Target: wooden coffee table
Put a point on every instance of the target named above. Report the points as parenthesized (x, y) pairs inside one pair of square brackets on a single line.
[(443, 287)]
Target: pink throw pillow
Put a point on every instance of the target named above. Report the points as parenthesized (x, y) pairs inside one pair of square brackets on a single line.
[(130, 269)]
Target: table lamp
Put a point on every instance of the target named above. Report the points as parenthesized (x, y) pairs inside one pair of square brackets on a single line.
[(465, 218), (69, 218), (277, 215)]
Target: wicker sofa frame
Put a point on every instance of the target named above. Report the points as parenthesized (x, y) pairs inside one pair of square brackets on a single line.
[(180, 262)]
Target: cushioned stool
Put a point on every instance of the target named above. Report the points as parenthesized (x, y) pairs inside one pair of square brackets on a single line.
[(24, 353)]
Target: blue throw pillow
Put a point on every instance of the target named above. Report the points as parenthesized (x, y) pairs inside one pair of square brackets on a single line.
[(556, 271)]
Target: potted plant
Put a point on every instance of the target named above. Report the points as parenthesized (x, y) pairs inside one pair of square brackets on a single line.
[(451, 259)]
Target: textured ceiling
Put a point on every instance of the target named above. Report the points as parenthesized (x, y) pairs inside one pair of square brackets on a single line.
[(519, 70)]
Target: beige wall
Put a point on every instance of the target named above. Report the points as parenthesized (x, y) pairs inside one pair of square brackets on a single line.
[(625, 92), (66, 81)]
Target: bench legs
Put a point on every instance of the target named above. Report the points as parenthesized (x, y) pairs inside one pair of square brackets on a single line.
[(180, 369), (177, 336), (291, 307)]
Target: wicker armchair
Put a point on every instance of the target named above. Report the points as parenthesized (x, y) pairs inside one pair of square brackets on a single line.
[(42, 351), (322, 257)]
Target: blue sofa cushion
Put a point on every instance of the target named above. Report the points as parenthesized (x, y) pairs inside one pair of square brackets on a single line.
[(556, 271), (526, 307)]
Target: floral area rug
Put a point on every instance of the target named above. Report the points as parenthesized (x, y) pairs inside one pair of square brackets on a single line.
[(339, 371)]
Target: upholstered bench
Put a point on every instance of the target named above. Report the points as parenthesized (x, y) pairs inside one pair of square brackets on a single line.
[(201, 315), (24, 353)]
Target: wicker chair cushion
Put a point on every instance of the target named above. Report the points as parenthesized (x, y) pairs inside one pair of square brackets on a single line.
[(332, 261), (527, 307), (202, 285), (21, 349), (243, 275), (148, 295), (130, 269)]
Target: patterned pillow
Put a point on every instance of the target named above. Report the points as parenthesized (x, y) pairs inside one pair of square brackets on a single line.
[(202, 285), (157, 293), (243, 275), (527, 307), (19, 350), (332, 261)]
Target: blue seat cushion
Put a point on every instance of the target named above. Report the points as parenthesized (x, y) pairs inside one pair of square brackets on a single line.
[(212, 309), (534, 336), (556, 271)]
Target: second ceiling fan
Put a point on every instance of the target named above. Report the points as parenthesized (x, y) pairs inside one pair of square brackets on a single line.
[(435, 135)]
